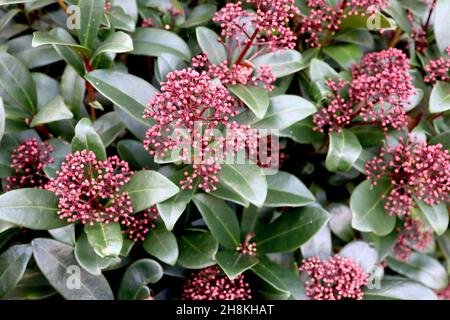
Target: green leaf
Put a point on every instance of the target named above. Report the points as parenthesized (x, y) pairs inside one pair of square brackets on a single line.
[(283, 111), (91, 13), (7, 17), (320, 71), (88, 259), (13, 263), (442, 12), (86, 138), (226, 193), (31, 208), (234, 263), (118, 42), (286, 190), (162, 244), (362, 253), (129, 93), (281, 63), (376, 22), (197, 251), (399, 289), (105, 238), (136, 278), (32, 286), (109, 127), (17, 83), (148, 188), (247, 180), (440, 98), (291, 230), (421, 268), (199, 15), (154, 42), (271, 273), (134, 153), (220, 219), (257, 99), (443, 139), (344, 150), (171, 209), (208, 41), (57, 262), (302, 132), (341, 221), (54, 111), (64, 234), (344, 54), (359, 37), (120, 19), (58, 37), (2, 119), (73, 90), (436, 216), (31, 57), (367, 205), (319, 245), (167, 63)]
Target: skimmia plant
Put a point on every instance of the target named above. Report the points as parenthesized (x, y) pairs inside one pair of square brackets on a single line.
[(224, 150)]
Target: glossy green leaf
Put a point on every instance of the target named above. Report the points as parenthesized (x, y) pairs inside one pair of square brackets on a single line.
[(73, 90), (234, 263), (105, 238), (291, 230), (91, 12), (199, 15), (344, 150), (2, 119), (375, 22), (86, 138), (121, 19), (443, 139), (440, 98), (118, 42), (136, 278), (134, 153), (162, 244), (197, 251), (154, 42), (109, 127), (57, 262), (208, 41), (58, 37), (341, 221), (257, 99), (286, 190), (399, 289), (16, 81), (247, 180), (220, 219), (64, 234), (31, 208), (362, 253), (421, 268), (367, 205), (436, 216), (88, 259), (344, 54), (32, 57), (54, 111), (281, 63), (129, 93), (148, 188), (13, 263)]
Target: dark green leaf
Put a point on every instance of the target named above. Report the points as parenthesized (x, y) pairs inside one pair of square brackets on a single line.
[(199, 15), (344, 54), (234, 263), (286, 190), (31, 208), (137, 277), (436, 216), (148, 188), (105, 238), (440, 98), (367, 205), (256, 98), (220, 219), (91, 13), (344, 150), (197, 251), (109, 127), (291, 230), (154, 42), (64, 234), (208, 41), (86, 138), (162, 244), (88, 259), (54, 111), (73, 90), (282, 63), (118, 42), (12, 267), (57, 262)]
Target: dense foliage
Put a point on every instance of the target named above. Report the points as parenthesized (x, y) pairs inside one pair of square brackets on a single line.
[(190, 149)]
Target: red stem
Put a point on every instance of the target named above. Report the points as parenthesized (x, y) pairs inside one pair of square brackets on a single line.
[(247, 46)]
